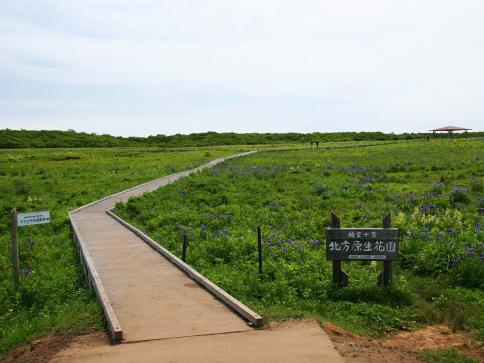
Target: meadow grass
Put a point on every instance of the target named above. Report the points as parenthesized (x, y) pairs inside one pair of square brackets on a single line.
[(433, 189), (450, 355), (52, 295)]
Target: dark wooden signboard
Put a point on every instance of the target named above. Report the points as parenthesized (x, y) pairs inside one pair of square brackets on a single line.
[(357, 244), (361, 244)]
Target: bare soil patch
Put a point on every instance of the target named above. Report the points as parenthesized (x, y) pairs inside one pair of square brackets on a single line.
[(44, 349), (402, 346), (36, 351)]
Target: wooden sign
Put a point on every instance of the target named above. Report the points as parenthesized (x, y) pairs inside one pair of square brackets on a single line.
[(361, 244), (357, 244), (26, 219), (20, 220)]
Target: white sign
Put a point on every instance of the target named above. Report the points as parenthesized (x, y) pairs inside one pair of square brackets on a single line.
[(26, 219)]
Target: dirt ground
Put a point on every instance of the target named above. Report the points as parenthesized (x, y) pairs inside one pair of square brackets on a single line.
[(41, 350), (403, 346), (400, 347)]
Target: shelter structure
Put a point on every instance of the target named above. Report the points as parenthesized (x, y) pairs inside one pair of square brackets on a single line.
[(450, 129)]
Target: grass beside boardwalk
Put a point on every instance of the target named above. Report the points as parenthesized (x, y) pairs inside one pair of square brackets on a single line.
[(434, 190), (446, 356), (52, 295)]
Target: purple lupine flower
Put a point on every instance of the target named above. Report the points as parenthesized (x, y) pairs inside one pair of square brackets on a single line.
[(451, 230), (437, 185), (453, 262), (354, 169), (478, 228), (315, 243), (429, 195), (291, 242), (469, 250), (27, 271), (412, 198), (365, 179), (459, 190), (320, 188), (428, 207), (256, 169)]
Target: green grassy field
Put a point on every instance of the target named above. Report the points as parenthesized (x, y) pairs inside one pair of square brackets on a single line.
[(433, 189), (52, 295)]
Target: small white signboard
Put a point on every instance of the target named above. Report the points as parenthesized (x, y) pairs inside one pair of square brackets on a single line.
[(26, 219)]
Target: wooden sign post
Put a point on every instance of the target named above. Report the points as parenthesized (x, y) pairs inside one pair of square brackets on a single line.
[(385, 277), (15, 259), (339, 276), (361, 244), (20, 220)]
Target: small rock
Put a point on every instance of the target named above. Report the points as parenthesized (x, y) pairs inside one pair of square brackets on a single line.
[(34, 344)]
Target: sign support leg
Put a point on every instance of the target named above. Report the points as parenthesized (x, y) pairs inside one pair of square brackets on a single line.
[(15, 253), (385, 277), (339, 276)]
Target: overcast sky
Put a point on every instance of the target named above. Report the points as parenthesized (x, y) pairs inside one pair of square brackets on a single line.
[(150, 67)]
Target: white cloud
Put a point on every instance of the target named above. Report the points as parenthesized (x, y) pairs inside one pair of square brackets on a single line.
[(278, 63)]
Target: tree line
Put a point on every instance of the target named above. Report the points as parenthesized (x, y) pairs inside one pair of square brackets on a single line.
[(11, 139)]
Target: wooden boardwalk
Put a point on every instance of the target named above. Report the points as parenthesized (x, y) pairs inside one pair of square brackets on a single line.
[(144, 295)]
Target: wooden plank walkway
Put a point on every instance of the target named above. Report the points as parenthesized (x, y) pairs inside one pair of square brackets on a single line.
[(148, 300), (145, 296)]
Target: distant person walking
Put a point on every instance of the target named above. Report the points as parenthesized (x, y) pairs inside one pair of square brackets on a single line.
[(317, 144)]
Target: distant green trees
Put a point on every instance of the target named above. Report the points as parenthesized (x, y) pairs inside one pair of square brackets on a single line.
[(10, 139)]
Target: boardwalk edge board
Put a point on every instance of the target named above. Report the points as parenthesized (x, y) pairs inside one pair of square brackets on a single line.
[(115, 331), (218, 292)]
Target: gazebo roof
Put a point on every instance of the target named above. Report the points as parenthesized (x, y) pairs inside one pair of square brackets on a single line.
[(451, 128)]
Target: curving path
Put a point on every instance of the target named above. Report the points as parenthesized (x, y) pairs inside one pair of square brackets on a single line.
[(146, 298)]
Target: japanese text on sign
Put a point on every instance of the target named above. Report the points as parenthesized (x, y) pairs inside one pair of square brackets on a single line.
[(26, 219), (361, 243), (360, 246)]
